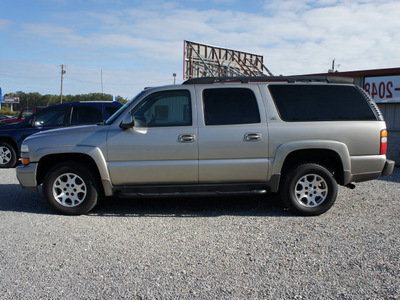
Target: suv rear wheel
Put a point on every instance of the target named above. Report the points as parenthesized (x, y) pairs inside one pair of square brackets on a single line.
[(309, 189), (70, 189), (8, 155)]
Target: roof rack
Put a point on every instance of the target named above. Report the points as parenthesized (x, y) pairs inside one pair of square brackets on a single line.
[(289, 79)]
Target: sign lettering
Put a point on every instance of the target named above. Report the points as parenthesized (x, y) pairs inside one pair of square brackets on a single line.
[(383, 89)]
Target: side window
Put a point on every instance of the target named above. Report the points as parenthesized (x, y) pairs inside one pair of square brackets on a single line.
[(302, 103), (26, 113), (85, 115), (230, 106), (112, 109), (168, 108), (51, 117)]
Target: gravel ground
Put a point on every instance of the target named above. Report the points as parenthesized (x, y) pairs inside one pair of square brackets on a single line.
[(214, 248)]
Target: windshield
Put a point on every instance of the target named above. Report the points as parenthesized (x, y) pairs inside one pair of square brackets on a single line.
[(26, 113), (121, 110)]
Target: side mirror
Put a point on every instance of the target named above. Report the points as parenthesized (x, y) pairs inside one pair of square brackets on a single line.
[(128, 122), (31, 122)]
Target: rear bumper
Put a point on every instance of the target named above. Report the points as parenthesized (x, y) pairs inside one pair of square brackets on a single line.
[(27, 176), (388, 168), (370, 167)]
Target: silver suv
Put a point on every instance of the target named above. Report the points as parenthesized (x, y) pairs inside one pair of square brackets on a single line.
[(217, 136)]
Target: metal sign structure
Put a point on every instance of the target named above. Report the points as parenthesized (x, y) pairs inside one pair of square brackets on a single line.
[(11, 100), (204, 61)]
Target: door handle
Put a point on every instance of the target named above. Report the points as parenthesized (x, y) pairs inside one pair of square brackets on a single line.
[(186, 138), (252, 137)]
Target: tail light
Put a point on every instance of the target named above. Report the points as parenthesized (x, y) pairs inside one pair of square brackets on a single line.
[(383, 141)]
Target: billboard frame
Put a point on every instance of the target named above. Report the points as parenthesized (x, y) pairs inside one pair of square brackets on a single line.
[(201, 60)]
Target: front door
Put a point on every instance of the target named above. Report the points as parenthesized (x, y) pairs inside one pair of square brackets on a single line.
[(162, 146)]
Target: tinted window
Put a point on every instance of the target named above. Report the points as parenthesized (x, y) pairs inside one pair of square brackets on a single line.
[(122, 109), (86, 115), (320, 103), (51, 117), (230, 106), (112, 109), (168, 108)]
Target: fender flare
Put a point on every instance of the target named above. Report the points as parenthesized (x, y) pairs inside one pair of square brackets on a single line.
[(284, 150), (94, 152)]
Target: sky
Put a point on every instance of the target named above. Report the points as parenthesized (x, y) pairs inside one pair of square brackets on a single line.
[(121, 46)]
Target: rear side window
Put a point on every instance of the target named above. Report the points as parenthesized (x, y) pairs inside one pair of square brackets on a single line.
[(230, 106), (86, 115), (112, 109), (320, 103)]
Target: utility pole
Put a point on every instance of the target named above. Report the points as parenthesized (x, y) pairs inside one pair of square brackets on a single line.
[(62, 77), (333, 67), (102, 83)]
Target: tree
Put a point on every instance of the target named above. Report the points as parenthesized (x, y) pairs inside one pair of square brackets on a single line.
[(36, 99)]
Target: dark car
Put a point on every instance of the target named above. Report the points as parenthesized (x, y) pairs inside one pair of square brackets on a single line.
[(52, 117), (23, 114)]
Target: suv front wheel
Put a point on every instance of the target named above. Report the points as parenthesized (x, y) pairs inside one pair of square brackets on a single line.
[(309, 189), (70, 189)]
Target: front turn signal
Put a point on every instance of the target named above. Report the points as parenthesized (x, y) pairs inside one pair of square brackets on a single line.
[(25, 161)]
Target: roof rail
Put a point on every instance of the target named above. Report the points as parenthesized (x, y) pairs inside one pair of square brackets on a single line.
[(289, 79)]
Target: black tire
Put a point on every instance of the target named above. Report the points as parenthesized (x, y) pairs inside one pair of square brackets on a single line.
[(70, 189), (8, 155), (309, 189)]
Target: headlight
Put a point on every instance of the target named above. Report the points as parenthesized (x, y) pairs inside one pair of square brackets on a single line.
[(24, 148)]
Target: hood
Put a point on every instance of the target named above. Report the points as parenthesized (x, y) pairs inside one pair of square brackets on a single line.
[(90, 135), (9, 121), (6, 126), (65, 131), (80, 139)]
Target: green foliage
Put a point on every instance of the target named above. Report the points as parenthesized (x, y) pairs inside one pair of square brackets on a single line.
[(122, 100), (36, 99), (8, 112)]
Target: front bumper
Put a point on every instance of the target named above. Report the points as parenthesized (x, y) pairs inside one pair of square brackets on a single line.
[(27, 176)]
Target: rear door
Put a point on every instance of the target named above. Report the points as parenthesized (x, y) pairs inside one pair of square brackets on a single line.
[(233, 134)]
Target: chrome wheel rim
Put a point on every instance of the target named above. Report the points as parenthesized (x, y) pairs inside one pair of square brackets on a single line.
[(5, 155), (69, 190), (311, 190)]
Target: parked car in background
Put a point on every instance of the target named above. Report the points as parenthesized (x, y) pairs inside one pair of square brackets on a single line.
[(23, 114), (57, 116)]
